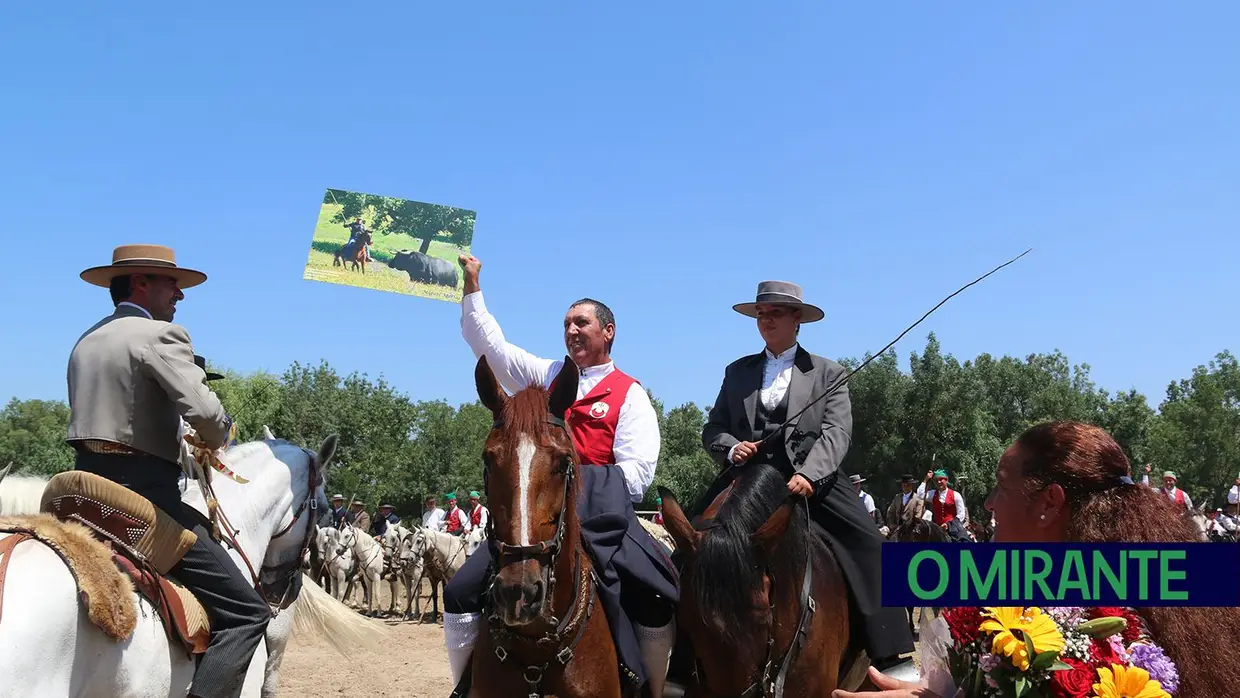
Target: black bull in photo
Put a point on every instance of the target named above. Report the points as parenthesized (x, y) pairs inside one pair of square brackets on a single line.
[(424, 268)]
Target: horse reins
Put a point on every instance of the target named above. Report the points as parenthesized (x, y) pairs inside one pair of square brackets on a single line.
[(583, 598), (291, 568)]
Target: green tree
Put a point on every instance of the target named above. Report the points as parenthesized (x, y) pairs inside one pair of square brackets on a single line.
[(32, 436)]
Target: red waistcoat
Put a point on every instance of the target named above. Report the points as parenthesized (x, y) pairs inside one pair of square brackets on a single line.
[(475, 516), (592, 420), (454, 521), (1179, 498), (945, 511)]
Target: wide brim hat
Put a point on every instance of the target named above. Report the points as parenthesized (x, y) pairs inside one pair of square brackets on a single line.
[(386, 506), (201, 362), (143, 259), (338, 496), (781, 293), (856, 479), (907, 478)]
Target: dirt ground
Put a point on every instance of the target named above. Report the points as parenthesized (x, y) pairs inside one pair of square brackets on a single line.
[(416, 666)]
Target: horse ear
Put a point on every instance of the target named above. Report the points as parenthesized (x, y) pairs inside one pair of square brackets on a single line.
[(770, 533), (565, 392), (327, 450), (677, 524), (489, 390), (6, 470)]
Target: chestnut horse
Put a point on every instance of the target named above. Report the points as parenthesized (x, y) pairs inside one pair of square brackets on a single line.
[(356, 255), (549, 634), (763, 599)]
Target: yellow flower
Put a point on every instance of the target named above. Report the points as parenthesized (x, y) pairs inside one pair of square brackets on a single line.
[(1031, 622), (1127, 682)]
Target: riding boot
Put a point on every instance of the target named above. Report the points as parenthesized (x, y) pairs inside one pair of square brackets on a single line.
[(460, 631), (656, 647)]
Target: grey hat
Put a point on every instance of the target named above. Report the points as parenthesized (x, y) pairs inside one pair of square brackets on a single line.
[(856, 479), (781, 293)]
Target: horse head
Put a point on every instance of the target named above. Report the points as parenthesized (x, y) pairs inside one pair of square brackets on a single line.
[(529, 473), (307, 489), (741, 575)]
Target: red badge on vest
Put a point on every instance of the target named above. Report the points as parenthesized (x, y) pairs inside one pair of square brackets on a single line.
[(598, 410)]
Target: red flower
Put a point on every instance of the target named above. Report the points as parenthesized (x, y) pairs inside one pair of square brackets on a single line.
[(1132, 631), (1072, 683), (963, 623), (1102, 654)]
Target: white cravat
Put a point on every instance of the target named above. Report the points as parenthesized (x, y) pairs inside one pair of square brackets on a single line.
[(636, 445), (776, 376)]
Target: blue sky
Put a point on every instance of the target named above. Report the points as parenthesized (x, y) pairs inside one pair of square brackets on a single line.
[(662, 160)]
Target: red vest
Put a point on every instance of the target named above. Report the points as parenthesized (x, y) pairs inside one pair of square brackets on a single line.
[(592, 420), (1179, 498), (454, 521), (475, 516), (945, 511)]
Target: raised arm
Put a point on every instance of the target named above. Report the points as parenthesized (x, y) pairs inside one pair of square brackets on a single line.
[(637, 442), (514, 367)]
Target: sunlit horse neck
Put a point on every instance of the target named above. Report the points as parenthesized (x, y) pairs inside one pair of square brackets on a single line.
[(548, 620), (742, 591), (20, 495)]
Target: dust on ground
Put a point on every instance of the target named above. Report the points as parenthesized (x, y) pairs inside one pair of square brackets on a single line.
[(415, 665)]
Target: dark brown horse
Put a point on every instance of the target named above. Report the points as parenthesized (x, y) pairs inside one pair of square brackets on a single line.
[(356, 254), (763, 600), (549, 634)]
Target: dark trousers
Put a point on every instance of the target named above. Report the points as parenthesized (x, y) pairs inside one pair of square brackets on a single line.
[(857, 544), (238, 614)]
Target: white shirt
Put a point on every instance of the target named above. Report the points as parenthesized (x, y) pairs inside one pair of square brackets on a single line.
[(868, 501), (433, 518), (962, 514), (776, 377), (1233, 495), (637, 442)]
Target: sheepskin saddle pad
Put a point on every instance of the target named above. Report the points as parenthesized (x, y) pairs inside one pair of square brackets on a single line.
[(114, 542)]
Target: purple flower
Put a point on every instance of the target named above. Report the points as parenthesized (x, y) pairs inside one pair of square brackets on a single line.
[(1155, 661)]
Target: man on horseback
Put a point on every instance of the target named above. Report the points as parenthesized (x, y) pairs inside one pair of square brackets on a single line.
[(762, 391), (357, 228), (907, 506), (456, 522), (131, 379), (615, 431), (945, 507), (478, 514)]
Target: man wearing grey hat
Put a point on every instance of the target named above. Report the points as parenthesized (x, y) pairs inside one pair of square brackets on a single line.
[(762, 391)]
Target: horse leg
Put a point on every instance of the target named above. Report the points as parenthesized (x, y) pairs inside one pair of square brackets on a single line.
[(278, 632)]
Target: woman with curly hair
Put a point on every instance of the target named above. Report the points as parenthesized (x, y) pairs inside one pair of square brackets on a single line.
[(1069, 482)]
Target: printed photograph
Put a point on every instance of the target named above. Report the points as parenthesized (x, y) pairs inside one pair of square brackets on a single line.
[(389, 244)]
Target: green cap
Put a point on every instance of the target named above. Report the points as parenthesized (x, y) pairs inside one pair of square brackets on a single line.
[(658, 500), (450, 496), (940, 473), (474, 494), (1170, 474)]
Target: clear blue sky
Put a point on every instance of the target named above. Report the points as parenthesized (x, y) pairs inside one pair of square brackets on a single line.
[(662, 160)]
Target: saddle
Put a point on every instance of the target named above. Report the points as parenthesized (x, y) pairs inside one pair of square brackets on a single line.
[(93, 519)]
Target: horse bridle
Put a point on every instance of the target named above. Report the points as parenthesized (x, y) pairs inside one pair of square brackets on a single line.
[(764, 686), (550, 548), (291, 569)]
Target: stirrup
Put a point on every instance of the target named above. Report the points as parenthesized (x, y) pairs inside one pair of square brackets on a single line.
[(903, 670)]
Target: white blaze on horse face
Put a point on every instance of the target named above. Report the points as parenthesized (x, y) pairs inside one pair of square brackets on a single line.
[(525, 463)]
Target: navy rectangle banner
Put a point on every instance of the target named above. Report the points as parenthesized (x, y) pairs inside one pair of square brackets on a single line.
[(1061, 574)]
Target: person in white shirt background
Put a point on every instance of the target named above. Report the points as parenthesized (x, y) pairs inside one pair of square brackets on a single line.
[(866, 500), (432, 516), (1233, 500)]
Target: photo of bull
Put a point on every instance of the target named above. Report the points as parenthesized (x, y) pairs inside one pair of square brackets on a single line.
[(424, 268)]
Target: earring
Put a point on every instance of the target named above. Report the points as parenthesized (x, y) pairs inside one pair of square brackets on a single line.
[(1042, 516)]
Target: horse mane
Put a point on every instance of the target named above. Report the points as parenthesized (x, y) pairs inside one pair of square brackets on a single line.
[(920, 530), (21, 494), (526, 412), (727, 570)]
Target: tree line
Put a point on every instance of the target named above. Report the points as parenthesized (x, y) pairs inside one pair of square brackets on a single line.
[(939, 413)]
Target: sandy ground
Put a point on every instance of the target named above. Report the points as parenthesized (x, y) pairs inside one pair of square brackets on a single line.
[(416, 666)]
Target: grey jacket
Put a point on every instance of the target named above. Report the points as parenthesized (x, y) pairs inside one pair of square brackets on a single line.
[(131, 379), (815, 444)]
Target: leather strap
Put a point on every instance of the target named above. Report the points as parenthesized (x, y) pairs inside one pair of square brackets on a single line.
[(6, 554)]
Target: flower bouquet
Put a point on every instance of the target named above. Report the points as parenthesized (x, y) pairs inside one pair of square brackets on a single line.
[(1045, 653)]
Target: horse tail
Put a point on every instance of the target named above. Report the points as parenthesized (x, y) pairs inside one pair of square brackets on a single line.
[(318, 614)]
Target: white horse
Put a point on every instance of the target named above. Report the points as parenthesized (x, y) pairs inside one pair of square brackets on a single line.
[(43, 616), (369, 555), (474, 540), (338, 561), (404, 550), (444, 555)]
